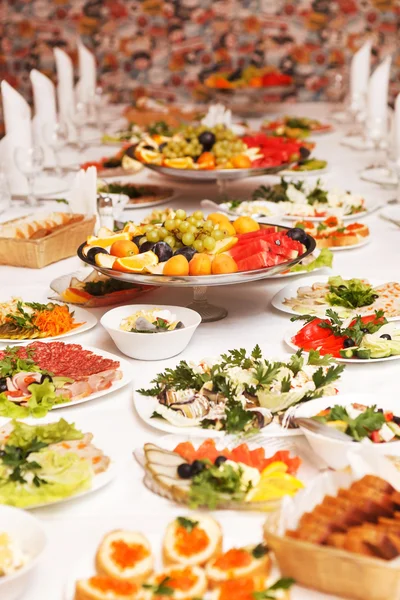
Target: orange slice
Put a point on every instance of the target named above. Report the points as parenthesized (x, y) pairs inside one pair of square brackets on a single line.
[(75, 295), (179, 163), (136, 264), (149, 156), (104, 242)]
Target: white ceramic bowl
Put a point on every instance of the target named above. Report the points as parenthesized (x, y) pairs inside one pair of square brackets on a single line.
[(29, 534), (151, 346), (334, 452)]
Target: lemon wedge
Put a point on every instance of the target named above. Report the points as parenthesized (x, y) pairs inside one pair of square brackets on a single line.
[(224, 245), (137, 263), (275, 483)]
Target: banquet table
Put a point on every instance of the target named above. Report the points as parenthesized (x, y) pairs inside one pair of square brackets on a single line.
[(74, 528)]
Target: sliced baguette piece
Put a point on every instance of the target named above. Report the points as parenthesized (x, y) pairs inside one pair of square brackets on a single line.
[(172, 575), (203, 530), (216, 574), (125, 555), (102, 587), (325, 242), (251, 585), (347, 239)]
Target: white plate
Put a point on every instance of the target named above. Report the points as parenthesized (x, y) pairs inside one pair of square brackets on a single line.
[(360, 215), (289, 174), (290, 291), (380, 176), (125, 367), (291, 332), (146, 405), (237, 533), (44, 186), (80, 315)]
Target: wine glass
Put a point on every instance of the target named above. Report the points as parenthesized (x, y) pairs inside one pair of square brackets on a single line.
[(56, 137), (80, 117), (5, 194), (30, 162)]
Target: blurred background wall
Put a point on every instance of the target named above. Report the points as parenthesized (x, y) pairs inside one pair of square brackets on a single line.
[(175, 43)]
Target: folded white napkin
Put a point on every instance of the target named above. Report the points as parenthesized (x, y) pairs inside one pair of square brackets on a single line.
[(86, 86), (359, 76), (377, 106), (83, 194), (44, 99), (65, 87), (396, 126), (217, 114), (17, 122)]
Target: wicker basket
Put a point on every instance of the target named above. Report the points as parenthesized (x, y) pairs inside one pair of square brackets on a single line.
[(39, 253), (334, 571)]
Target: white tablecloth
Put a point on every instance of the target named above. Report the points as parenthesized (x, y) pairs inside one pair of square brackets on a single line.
[(76, 526)]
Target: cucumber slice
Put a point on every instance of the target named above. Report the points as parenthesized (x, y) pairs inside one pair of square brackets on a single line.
[(363, 353), (348, 352)]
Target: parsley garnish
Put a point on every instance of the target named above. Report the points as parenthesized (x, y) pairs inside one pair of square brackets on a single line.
[(188, 524), (156, 415), (160, 589), (352, 293), (269, 594), (17, 457), (260, 550)]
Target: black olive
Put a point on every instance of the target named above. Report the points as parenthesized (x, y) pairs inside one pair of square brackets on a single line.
[(46, 376), (396, 420), (3, 384), (348, 343), (375, 296), (365, 330), (91, 253), (304, 152), (235, 75), (298, 234), (386, 336), (180, 325), (197, 467), (207, 139), (342, 288), (220, 460), (136, 240), (146, 247), (185, 471)]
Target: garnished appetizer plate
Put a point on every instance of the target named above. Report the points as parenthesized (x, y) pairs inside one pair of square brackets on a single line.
[(234, 393), (348, 297), (298, 199), (296, 127), (43, 376), (336, 235), (22, 320), (240, 476), (192, 556), (49, 463), (354, 340), (95, 289), (140, 196)]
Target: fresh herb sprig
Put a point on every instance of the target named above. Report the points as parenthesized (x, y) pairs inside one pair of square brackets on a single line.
[(188, 524), (11, 363), (17, 459), (217, 484), (160, 589), (269, 594)]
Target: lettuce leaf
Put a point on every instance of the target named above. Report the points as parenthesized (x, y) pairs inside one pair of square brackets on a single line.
[(324, 259), (22, 434), (42, 400)]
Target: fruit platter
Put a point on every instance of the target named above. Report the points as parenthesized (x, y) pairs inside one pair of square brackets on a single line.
[(48, 463), (191, 557), (193, 251), (209, 153), (360, 339), (211, 474), (247, 91), (240, 391), (296, 127)]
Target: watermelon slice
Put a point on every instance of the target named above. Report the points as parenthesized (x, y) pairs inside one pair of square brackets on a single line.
[(246, 250), (259, 261)]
